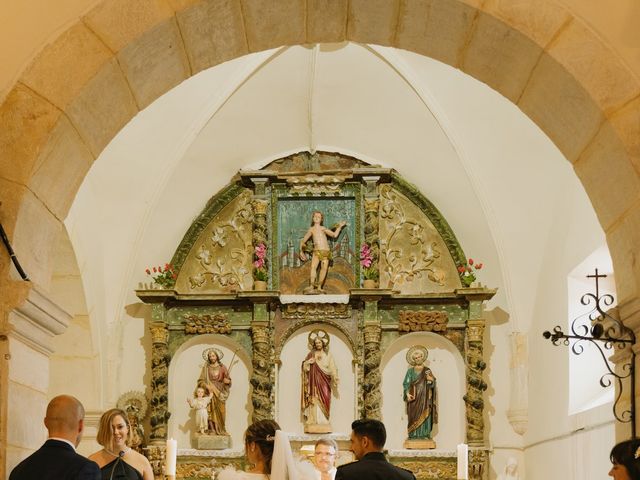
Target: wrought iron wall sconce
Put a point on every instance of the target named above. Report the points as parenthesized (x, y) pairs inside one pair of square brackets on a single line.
[(607, 334)]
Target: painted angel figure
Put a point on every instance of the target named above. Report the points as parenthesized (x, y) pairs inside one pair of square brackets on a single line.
[(319, 382)]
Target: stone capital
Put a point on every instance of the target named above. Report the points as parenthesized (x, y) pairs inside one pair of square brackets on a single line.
[(38, 320)]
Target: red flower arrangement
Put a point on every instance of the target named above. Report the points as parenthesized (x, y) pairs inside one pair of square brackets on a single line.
[(468, 272), (165, 277)]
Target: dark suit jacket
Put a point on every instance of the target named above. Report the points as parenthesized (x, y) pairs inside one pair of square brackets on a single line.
[(373, 466), (56, 460)]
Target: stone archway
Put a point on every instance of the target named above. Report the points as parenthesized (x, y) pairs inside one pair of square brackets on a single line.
[(86, 85)]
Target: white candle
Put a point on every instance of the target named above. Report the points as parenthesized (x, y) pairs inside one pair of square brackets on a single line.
[(463, 462), (170, 457)]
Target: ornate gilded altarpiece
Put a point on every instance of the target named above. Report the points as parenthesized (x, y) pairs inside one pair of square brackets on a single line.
[(419, 289)]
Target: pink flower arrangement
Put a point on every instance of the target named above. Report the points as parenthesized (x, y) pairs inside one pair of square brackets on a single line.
[(366, 262), (260, 263), (468, 272), (165, 277)]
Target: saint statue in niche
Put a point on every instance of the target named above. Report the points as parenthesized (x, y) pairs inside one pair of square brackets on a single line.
[(216, 382), (321, 254), (319, 381), (200, 403), (419, 393)]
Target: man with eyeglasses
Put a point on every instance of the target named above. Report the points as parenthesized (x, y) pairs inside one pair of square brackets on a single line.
[(324, 459)]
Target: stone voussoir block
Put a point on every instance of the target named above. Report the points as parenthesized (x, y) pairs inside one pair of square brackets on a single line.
[(26, 120), (500, 56), (119, 22), (540, 20), (623, 239), (101, 110), (438, 29), (155, 62), (608, 176), (64, 67), (213, 32), (601, 73), (373, 21), (326, 21), (61, 167), (271, 24), (561, 107)]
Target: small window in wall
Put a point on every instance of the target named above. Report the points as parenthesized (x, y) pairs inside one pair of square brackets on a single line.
[(586, 369)]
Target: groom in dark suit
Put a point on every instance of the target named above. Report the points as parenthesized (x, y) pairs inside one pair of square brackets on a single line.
[(57, 458), (367, 441)]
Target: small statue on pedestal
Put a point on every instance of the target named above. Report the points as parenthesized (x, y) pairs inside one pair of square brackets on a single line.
[(200, 403), (321, 252), (419, 392), (319, 381)]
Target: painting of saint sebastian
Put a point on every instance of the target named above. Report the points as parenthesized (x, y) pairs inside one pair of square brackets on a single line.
[(319, 382)]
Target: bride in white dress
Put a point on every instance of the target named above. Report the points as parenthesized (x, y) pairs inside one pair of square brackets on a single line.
[(269, 452)]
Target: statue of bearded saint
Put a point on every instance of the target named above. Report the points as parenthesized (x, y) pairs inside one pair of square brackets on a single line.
[(419, 392), (319, 382)]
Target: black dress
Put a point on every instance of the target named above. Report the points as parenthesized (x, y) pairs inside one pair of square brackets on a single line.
[(120, 470)]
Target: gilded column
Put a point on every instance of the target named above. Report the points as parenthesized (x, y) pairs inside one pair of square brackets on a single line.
[(371, 370), (475, 383), (160, 359), (261, 377), (371, 230)]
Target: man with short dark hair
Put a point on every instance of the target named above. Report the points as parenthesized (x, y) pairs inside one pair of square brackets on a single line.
[(367, 441), (57, 458)]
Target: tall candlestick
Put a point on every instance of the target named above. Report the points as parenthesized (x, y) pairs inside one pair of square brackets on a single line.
[(463, 462), (171, 455)]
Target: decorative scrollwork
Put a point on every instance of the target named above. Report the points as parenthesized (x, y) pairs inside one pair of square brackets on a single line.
[(315, 311), (407, 253), (606, 333)]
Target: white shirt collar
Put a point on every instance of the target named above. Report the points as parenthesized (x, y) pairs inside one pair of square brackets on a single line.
[(63, 440)]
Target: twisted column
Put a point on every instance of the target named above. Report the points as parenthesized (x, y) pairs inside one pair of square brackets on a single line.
[(371, 230), (475, 384), (371, 381), (160, 359), (261, 375)]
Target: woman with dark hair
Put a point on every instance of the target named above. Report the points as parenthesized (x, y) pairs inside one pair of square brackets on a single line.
[(268, 452), (259, 444), (625, 457), (117, 459)]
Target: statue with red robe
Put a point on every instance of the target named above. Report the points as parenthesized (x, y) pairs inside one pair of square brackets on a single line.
[(319, 383)]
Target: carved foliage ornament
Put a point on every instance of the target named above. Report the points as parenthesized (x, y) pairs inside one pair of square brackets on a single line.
[(320, 311), (422, 321), (220, 260), (201, 324), (411, 258)]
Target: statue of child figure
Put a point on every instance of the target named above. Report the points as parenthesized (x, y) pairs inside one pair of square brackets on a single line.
[(321, 251), (199, 403)]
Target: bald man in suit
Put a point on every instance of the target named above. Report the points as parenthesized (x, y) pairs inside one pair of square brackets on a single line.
[(57, 458)]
